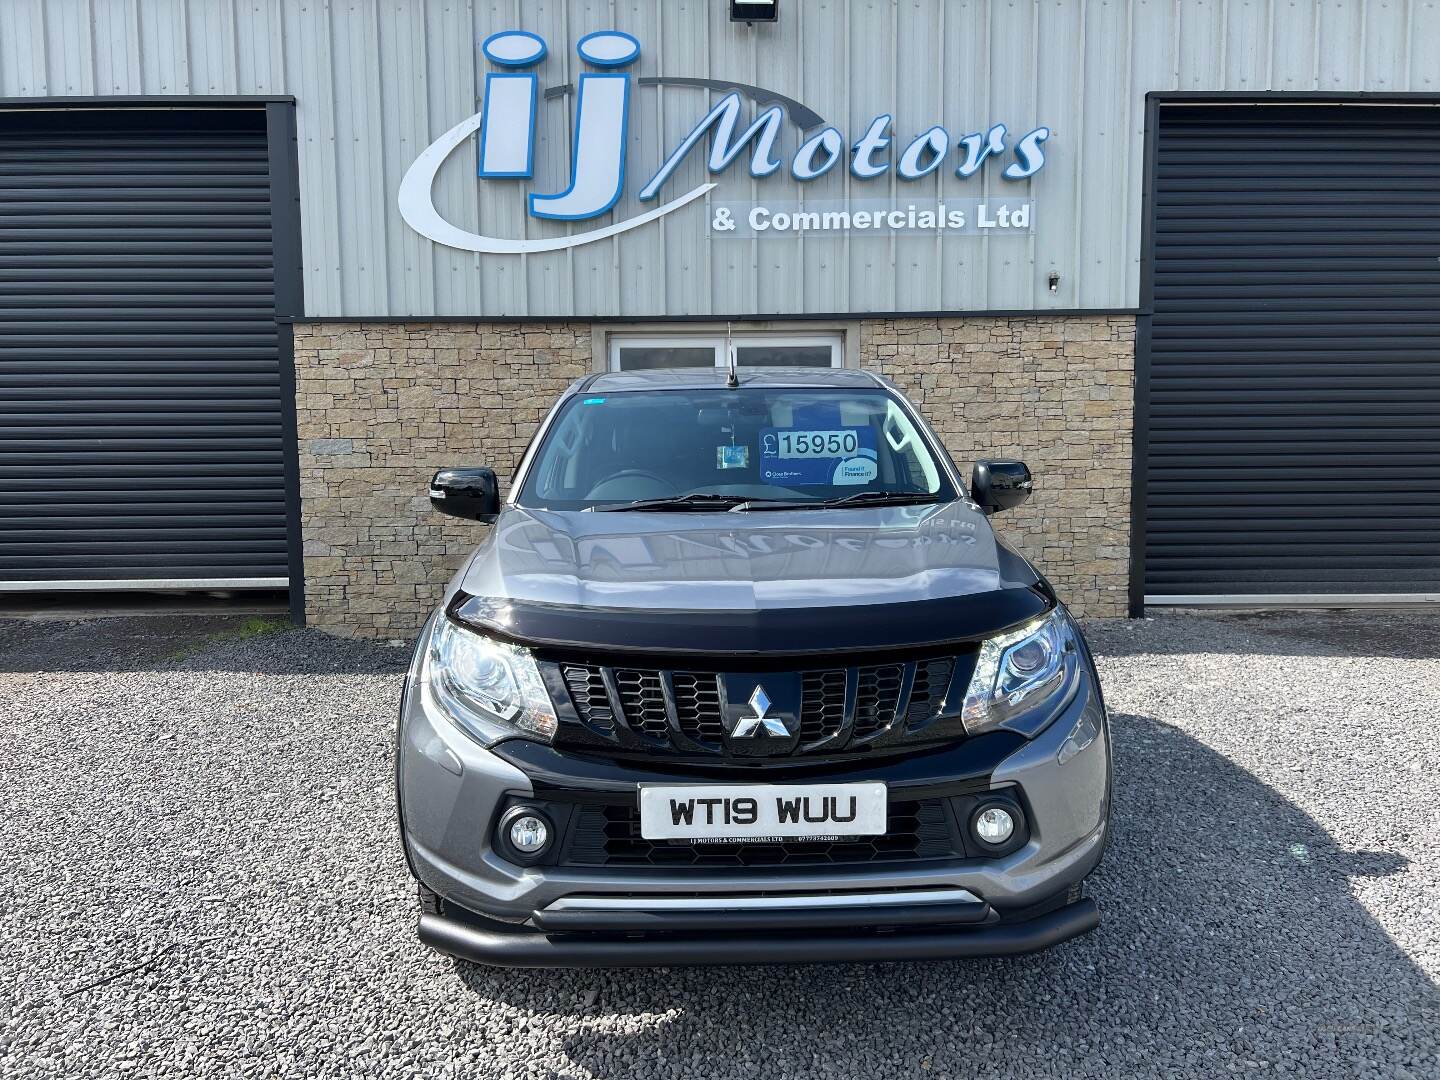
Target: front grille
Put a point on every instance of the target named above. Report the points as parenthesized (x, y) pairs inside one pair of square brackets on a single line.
[(876, 699), (932, 680), (822, 705), (697, 706), (643, 702), (610, 836), (660, 710), (592, 701)]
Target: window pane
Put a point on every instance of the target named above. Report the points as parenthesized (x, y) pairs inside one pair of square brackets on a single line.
[(637, 357), (783, 355)]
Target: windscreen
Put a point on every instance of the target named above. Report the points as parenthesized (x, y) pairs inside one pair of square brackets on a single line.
[(754, 443)]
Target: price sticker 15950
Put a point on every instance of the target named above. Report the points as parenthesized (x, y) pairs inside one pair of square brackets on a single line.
[(813, 444)]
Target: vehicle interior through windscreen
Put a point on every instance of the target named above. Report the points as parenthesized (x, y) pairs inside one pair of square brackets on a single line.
[(753, 443)]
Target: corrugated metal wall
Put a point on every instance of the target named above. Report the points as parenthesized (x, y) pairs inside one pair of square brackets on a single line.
[(377, 80)]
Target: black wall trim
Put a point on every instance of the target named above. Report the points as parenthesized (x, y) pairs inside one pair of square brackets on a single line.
[(1292, 97), (282, 139), (285, 209), (150, 101), (833, 316), (1140, 427)]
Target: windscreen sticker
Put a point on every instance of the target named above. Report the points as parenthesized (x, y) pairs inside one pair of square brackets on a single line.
[(856, 470), (732, 457), (795, 457)]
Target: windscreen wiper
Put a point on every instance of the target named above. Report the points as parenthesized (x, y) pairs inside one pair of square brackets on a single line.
[(700, 500), (859, 498)]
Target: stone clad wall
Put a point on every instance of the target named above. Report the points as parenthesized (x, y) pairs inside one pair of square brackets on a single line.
[(1055, 391), (381, 406)]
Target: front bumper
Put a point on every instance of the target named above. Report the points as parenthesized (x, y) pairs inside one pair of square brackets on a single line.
[(508, 946), (452, 791)]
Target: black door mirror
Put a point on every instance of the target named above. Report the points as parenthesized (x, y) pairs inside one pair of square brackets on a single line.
[(999, 485), (466, 493)]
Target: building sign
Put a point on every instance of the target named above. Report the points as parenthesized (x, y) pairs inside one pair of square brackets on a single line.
[(840, 217), (507, 122)]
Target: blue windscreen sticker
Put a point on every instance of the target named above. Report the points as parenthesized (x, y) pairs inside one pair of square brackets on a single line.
[(797, 456), (732, 457)]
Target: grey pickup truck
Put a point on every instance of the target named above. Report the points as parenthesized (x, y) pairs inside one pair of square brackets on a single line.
[(740, 673)]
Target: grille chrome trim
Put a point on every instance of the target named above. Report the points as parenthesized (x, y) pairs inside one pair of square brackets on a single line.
[(732, 902), (877, 699)]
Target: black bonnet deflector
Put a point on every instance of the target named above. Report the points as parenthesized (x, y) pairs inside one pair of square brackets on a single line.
[(837, 629)]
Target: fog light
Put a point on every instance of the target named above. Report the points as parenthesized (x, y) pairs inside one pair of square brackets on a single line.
[(529, 834), (994, 825)]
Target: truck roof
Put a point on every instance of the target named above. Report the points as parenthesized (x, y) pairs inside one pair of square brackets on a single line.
[(711, 378)]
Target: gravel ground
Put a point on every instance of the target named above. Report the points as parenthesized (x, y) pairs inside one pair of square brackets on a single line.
[(202, 878)]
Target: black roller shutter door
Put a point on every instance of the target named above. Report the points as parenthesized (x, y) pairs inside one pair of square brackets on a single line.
[(1294, 396), (140, 380)]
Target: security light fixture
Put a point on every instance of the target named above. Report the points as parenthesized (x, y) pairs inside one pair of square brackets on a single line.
[(751, 11)]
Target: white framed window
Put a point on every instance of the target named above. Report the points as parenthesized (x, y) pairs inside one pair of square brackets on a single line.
[(634, 352)]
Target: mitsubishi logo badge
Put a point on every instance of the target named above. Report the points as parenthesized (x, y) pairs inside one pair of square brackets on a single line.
[(749, 725)]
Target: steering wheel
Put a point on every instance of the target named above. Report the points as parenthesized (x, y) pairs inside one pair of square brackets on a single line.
[(668, 486)]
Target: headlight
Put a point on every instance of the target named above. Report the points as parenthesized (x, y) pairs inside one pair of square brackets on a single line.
[(1018, 670), (490, 688)]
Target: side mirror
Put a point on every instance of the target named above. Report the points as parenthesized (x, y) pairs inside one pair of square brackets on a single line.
[(999, 485), (466, 493)]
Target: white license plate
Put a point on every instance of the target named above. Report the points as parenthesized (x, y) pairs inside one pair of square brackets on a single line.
[(760, 811)]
